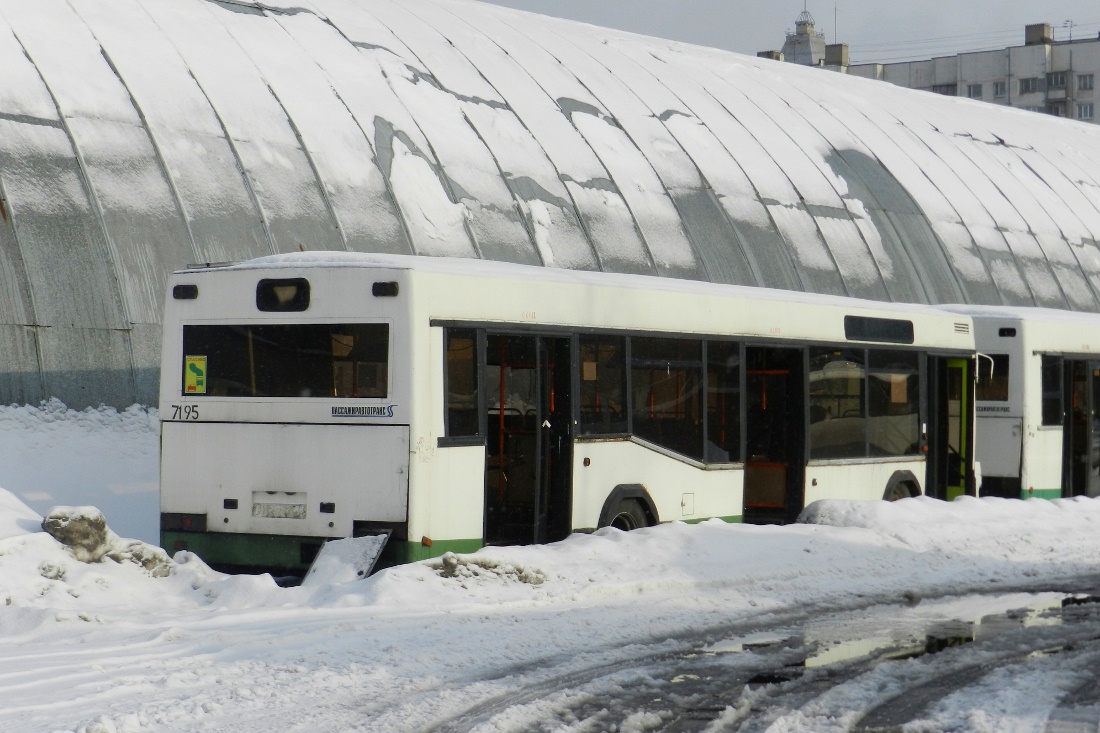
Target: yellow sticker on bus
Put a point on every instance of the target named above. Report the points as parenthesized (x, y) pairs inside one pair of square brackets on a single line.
[(194, 375)]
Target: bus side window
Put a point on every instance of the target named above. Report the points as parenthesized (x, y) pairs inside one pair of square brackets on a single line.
[(603, 384), (460, 382), (723, 402), (838, 415), (993, 378), (893, 403), (1053, 409), (667, 400)]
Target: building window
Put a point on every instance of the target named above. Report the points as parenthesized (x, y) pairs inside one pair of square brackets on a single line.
[(1058, 110), (1084, 111), (1056, 80), (1000, 88), (1029, 85), (950, 90), (974, 91), (1084, 82)]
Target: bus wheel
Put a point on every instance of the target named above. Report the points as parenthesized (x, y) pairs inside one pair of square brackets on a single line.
[(900, 491), (902, 485), (628, 515)]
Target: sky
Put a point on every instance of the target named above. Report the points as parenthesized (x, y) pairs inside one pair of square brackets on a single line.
[(875, 30)]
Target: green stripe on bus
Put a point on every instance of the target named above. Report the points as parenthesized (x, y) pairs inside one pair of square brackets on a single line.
[(415, 551), (243, 550), (1041, 494), (285, 551)]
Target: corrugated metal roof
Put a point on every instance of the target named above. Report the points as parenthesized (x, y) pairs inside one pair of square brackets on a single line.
[(137, 136)]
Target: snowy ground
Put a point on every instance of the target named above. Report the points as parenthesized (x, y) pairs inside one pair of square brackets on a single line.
[(107, 647)]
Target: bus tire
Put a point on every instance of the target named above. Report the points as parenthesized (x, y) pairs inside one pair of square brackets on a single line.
[(631, 505), (902, 485), (628, 515)]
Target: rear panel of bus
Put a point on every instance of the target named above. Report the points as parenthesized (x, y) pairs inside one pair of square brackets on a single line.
[(285, 413)]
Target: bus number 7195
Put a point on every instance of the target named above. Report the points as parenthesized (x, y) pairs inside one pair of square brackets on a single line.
[(185, 412)]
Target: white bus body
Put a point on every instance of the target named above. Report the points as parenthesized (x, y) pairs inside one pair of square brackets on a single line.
[(1038, 401), (454, 403)]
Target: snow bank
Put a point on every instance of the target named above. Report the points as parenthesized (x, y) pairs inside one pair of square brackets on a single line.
[(104, 577), (989, 527), (840, 553)]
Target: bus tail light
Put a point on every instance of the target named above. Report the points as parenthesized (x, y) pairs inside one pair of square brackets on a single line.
[(174, 522)]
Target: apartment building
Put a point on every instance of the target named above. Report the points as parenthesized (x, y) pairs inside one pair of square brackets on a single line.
[(1042, 75)]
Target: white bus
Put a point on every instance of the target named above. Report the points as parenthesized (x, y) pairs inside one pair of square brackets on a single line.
[(1038, 401), (451, 404)]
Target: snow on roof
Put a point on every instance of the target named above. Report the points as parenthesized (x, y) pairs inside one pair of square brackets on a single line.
[(138, 136)]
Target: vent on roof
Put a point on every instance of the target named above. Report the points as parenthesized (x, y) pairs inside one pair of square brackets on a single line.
[(962, 328)]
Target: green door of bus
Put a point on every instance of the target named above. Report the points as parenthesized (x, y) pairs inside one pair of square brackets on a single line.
[(949, 467)]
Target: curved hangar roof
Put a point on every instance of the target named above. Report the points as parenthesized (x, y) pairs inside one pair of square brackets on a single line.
[(137, 136)]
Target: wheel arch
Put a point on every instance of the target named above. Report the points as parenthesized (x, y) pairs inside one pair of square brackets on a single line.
[(625, 492), (902, 478)]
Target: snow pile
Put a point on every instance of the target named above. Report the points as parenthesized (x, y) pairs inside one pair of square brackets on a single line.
[(998, 529), (83, 569), (842, 553), (84, 531), (472, 567)]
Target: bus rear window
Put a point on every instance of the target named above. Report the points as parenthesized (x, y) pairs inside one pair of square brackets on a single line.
[(286, 360)]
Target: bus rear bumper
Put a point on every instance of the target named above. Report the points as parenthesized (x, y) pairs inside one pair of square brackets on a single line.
[(291, 555)]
